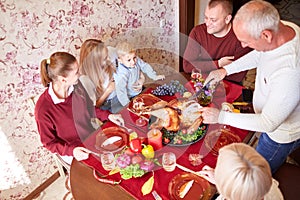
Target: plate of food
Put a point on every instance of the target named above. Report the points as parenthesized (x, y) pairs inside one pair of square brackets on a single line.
[(143, 103), (112, 139), (181, 137), (189, 186), (219, 138)]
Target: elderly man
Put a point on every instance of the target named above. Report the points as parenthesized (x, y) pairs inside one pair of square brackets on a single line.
[(213, 44), (276, 97)]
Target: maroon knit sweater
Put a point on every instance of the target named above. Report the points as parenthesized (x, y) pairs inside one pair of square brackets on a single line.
[(64, 126), (203, 51)]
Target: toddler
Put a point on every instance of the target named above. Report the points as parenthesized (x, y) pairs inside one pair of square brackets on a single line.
[(129, 77)]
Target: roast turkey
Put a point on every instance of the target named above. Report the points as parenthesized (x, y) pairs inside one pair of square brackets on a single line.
[(177, 114)]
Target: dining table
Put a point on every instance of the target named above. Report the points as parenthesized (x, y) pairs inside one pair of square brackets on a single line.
[(84, 174)]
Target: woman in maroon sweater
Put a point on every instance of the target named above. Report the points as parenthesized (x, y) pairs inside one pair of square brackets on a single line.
[(64, 111)]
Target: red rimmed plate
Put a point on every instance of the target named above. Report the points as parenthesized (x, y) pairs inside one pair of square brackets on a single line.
[(145, 100), (112, 139), (201, 189), (220, 138)]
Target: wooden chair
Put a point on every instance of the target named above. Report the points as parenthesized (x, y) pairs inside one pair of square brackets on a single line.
[(63, 167), (288, 176)]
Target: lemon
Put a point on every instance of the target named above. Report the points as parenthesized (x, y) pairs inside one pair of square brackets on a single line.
[(132, 135)]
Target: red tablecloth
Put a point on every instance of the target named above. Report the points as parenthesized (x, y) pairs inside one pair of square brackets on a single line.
[(161, 177), (225, 91)]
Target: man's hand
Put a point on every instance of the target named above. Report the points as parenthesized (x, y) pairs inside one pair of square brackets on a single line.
[(216, 75), (225, 61), (210, 115)]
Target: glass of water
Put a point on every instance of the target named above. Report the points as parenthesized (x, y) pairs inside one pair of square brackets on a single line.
[(169, 161), (108, 161)]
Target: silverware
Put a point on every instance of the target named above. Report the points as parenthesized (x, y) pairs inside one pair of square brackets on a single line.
[(136, 127), (205, 87), (118, 120), (156, 196), (187, 170), (90, 152), (193, 172)]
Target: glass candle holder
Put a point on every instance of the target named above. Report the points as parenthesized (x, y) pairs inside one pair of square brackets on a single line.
[(155, 139)]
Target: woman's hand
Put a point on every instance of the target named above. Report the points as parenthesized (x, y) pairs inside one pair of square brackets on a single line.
[(80, 153), (111, 86), (210, 115)]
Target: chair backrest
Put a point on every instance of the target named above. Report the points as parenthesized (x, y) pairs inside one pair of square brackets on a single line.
[(295, 155), (63, 167), (288, 176)]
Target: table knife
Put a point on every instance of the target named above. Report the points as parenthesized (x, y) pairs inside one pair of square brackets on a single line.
[(193, 172), (204, 87)]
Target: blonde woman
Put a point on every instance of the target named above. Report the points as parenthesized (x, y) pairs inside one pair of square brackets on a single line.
[(242, 173), (97, 73)]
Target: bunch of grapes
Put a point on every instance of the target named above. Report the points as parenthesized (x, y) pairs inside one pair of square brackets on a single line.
[(169, 89)]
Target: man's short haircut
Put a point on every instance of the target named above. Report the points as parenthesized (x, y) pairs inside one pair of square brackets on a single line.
[(257, 16), (226, 4)]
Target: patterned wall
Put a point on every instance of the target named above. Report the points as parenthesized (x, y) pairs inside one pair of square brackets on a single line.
[(30, 31)]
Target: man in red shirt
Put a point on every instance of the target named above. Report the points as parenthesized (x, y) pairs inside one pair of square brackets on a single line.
[(213, 44)]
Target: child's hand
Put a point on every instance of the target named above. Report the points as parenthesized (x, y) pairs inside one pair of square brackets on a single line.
[(160, 77), (137, 86), (141, 79)]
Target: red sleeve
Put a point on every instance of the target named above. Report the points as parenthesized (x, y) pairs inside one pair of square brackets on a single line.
[(195, 55), (57, 130)]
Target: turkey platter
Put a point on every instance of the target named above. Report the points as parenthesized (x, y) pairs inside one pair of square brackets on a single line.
[(180, 120)]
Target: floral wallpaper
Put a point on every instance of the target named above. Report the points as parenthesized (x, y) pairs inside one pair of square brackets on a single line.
[(30, 31)]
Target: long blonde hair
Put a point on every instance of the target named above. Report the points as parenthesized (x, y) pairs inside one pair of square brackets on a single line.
[(93, 63), (242, 173), (59, 64)]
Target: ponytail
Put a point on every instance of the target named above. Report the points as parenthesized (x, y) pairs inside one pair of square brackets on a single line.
[(59, 64), (45, 79)]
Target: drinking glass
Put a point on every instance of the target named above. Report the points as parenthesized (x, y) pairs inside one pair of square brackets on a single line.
[(108, 161), (169, 161), (196, 75)]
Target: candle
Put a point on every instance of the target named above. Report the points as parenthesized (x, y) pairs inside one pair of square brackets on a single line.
[(155, 139)]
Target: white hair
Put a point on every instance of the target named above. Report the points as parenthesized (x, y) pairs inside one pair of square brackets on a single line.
[(256, 16)]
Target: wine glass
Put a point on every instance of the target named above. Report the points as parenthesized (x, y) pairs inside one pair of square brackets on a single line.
[(140, 121), (196, 75)]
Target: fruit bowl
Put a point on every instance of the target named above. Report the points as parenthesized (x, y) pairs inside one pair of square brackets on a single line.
[(133, 165)]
